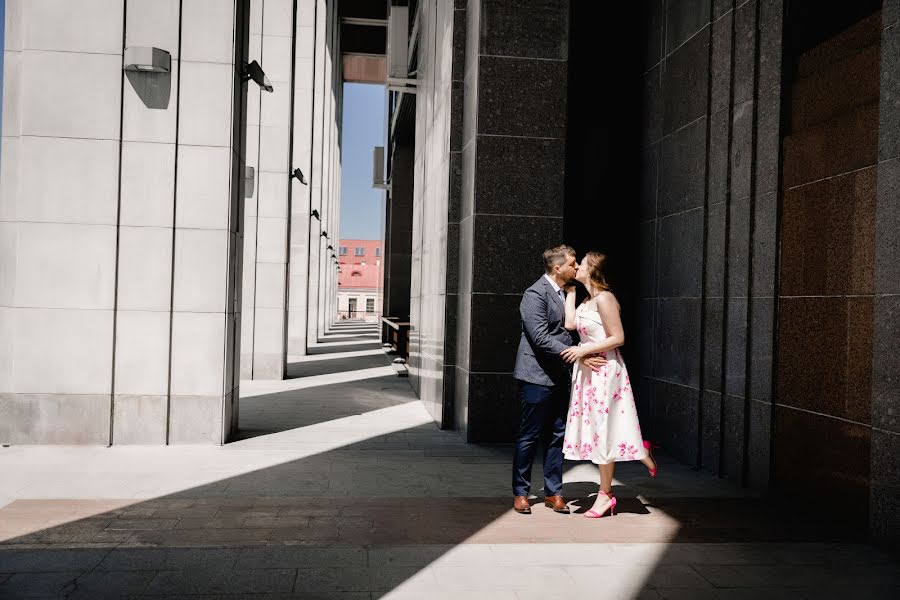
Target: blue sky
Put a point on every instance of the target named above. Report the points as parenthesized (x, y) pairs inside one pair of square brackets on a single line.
[(363, 130)]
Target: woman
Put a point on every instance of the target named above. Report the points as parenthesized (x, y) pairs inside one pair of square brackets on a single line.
[(602, 423)]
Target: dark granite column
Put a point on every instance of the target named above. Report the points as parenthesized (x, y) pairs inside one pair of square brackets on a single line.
[(884, 492), (513, 137), (676, 123), (398, 233)]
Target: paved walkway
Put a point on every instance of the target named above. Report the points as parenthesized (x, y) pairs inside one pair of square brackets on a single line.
[(340, 486)]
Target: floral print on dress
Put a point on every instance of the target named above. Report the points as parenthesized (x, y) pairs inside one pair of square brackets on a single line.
[(593, 431)]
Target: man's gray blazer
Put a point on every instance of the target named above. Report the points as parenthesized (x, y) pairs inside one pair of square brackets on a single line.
[(544, 336)]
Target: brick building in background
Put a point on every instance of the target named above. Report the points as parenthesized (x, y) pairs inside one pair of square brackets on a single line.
[(359, 279)]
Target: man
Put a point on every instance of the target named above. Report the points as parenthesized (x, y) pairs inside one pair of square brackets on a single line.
[(544, 379)]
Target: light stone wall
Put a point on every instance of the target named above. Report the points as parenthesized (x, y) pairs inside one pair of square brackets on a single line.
[(119, 200)]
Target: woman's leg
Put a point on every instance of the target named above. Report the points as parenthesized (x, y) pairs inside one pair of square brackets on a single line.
[(604, 497)]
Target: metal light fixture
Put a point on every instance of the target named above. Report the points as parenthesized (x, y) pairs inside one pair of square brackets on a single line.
[(298, 175), (330, 247), (254, 71), (147, 59), (324, 234), (315, 214)]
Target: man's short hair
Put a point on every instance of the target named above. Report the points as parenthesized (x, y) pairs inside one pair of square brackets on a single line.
[(556, 256)]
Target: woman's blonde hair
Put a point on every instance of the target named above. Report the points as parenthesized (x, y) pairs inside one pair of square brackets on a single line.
[(596, 263)]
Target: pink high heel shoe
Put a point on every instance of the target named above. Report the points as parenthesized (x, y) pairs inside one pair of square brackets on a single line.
[(649, 448), (593, 514)]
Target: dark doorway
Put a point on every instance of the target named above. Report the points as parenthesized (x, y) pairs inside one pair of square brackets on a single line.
[(603, 140)]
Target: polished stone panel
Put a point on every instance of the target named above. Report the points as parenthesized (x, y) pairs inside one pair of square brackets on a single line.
[(680, 255), (522, 97), (717, 182), (758, 449), (736, 346), (886, 363), (517, 244), (770, 42), (682, 169), (738, 246), (715, 243), (684, 82), (647, 277), (828, 231), (652, 108), (765, 245), (655, 18), (889, 107), (885, 471), (712, 416), (822, 151), (499, 315), (745, 27), (683, 20), (762, 340), (767, 141), (887, 229), (527, 29), (712, 344), (677, 341), (532, 182), (675, 419), (842, 463), (493, 407), (733, 458), (649, 183), (741, 149), (721, 63), (825, 355)]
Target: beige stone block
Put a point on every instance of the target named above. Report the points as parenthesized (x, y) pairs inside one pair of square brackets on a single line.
[(203, 188), (73, 95), (93, 26), (65, 266)]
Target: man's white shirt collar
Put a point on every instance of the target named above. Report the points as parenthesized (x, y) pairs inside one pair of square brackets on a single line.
[(556, 288)]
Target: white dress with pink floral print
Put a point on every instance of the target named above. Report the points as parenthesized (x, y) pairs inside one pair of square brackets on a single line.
[(602, 422)]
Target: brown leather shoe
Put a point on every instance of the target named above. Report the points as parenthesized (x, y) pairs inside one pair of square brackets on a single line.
[(557, 503), (521, 505)]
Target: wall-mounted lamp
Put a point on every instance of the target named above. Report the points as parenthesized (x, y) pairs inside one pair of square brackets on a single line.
[(315, 214), (254, 71), (298, 175), (147, 59), (334, 257), (330, 247), (324, 234)]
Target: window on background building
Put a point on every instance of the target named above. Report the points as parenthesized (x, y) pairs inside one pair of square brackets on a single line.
[(343, 251), (360, 251), (370, 305), (377, 252)]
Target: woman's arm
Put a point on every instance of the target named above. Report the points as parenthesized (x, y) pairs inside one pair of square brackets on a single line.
[(570, 308), (608, 308)]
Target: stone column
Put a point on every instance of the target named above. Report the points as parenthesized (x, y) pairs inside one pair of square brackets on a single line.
[(513, 131), (118, 223), (884, 492), (315, 245), (301, 222), (273, 38)]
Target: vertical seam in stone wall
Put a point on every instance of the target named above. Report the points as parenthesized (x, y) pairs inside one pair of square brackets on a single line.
[(776, 291), (723, 392), (751, 212), (262, 44), (290, 191), (174, 217), (115, 315)]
